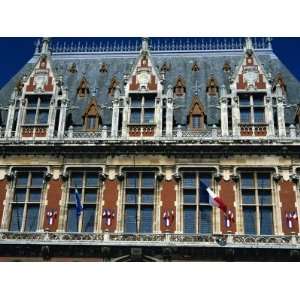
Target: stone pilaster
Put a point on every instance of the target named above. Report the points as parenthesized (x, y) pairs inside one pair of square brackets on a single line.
[(224, 111), (280, 111), (169, 112), (10, 117), (235, 116), (62, 118)]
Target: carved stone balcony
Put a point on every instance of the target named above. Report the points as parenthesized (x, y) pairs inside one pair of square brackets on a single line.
[(253, 129), (141, 130), (167, 239)]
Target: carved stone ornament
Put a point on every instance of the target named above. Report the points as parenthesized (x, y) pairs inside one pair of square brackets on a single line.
[(218, 177), (103, 176), (160, 177), (48, 176), (294, 178), (9, 176), (177, 177), (120, 177), (235, 178), (277, 177)]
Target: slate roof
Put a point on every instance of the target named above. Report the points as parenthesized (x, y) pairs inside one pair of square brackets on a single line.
[(121, 63)]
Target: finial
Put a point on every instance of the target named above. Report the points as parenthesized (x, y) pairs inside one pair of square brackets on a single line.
[(269, 42), (37, 46), (279, 92), (117, 92), (248, 45), (94, 92), (145, 44), (223, 91), (170, 92), (45, 46)]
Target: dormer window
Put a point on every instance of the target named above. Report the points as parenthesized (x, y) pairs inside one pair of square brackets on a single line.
[(73, 68), (112, 87), (252, 108), (37, 110), (142, 109), (196, 114), (212, 87), (165, 68), (92, 117), (103, 68), (195, 67), (83, 89), (180, 88)]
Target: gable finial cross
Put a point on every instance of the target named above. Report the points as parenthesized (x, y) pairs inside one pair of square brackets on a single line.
[(196, 88)]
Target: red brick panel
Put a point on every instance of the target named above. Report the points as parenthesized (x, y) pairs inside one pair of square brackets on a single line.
[(53, 198), (134, 86), (110, 198), (228, 195), (3, 188), (260, 84), (152, 85), (241, 85), (168, 198), (287, 197)]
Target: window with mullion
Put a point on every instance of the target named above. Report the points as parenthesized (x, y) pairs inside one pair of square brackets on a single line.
[(26, 202), (142, 109), (197, 212), (252, 108), (257, 204), (37, 110), (139, 202), (87, 185)]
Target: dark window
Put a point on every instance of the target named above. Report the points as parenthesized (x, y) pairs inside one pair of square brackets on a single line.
[(142, 109), (28, 194), (37, 110), (257, 205), (197, 212), (196, 119), (139, 201), (87, 185)]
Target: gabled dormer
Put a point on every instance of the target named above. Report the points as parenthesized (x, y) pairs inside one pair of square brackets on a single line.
[(251, 104), (143, 98), (92, 116), (197, 116), (34, 110)]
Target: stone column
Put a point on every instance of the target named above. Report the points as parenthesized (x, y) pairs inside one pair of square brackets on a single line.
[(280, 111), (169, 111), (224, 111), (269, 115), (235, 110), (158, 116), (115, 112), (51, 118), (10, 117), (125, 117), (62, 118), (20, 119)]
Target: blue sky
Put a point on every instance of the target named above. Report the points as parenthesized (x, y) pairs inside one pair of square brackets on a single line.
[(15, 52)]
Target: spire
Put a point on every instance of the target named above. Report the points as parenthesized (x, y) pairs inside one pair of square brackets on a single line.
[(248, 45), (269, 42), (223, 91), (45, 46), (145, 44)]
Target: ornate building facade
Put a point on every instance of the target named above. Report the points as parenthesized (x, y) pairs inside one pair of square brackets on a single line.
[(134, 133)]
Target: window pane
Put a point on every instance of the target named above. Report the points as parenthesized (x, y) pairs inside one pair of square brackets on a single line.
[(91, 122), (266, 220), (259, 115), (88, 219), (92, 179), (189, 196), (148, 180), (196, 121), (147, 196), (22, 179), (247, 180), (72, 221), (136, 102), (16, 218), (35, 195), (90, 195), (244, 99), (189, 180), (20, 195), (131, 196), (32, 218), (189, 221), (149, 101), (130, 220), (249, 220), (135, 116), (258, 99), (248, 196), (205, 221), (265, 197), (45, 101), (146, 219), (149, 116), (245, 115), (43, 117), (77, 179), (30, 116), (32, 102), (72, 197), (132, 179), (37, 179), (263, 180)]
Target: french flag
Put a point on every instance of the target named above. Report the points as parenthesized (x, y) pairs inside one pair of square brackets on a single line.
[(214, 200), (79, 208)]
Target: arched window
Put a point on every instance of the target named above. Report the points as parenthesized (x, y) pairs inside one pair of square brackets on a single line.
[(180, 88), (91, 116), (83, 89), (212, 88), (196, 115)]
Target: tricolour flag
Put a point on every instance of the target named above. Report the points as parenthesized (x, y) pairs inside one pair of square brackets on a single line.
[(215, 200), (78, 203), (290, 217)]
